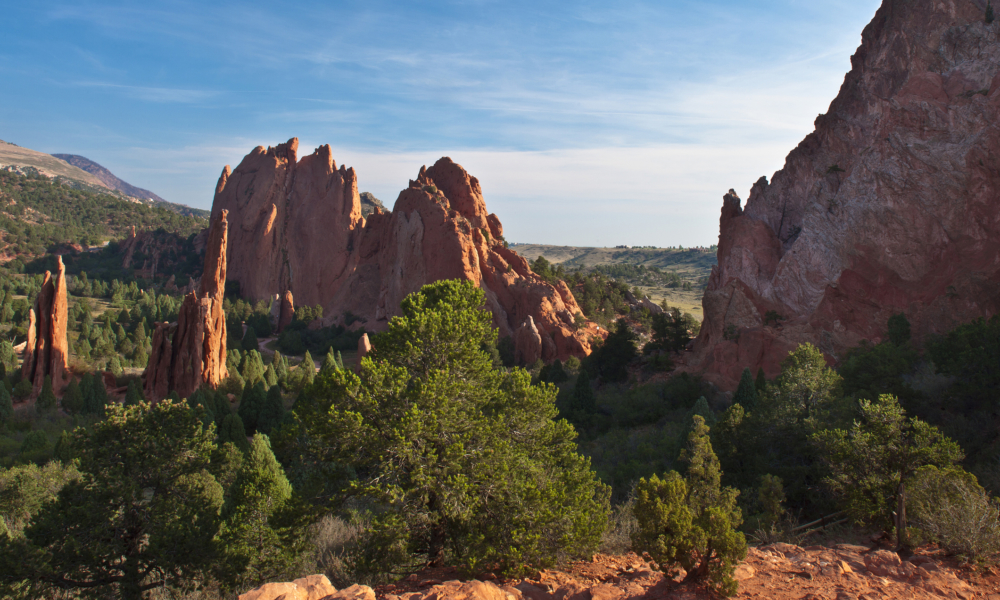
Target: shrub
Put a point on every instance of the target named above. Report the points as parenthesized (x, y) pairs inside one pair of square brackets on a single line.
[(22, 390), (46, 401), (948, 506), (692, 522)]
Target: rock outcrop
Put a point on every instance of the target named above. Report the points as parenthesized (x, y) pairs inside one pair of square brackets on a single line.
[(890, 205), (364, 347), (776, 571), (297, 226), (287, 311), (46, 352), (192, 352)]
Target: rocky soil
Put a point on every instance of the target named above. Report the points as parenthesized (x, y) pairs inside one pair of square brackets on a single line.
[(777, 571)]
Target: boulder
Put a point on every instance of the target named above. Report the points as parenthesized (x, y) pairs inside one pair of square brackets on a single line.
[(527, 343), (192, 352), (889, 206), (46, 351), (287, 311), (297, 226)]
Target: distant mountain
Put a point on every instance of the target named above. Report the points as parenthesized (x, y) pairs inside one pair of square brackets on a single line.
[(107, 177), (14, 158), (113, 182)]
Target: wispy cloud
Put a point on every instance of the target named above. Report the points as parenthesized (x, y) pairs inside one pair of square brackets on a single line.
[(153, 94)]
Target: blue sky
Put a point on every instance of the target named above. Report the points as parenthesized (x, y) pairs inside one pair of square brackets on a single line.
[(587, 123)]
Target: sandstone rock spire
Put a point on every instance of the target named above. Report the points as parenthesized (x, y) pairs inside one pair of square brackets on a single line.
[(297, 227), (46, 352), (192, 352)]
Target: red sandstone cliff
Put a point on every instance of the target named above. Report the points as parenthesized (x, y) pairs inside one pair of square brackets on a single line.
[(192, 352), (297, 226), (47, 350), (890, 205)]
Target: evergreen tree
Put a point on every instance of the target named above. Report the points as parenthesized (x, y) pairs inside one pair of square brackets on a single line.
[(899, 329), (250, 340), (431, 402), (46, 401), (272, 412), (270, 377), (761, 383), (583, 398), (72, 400), (329, 362), (308, 367), (115, 366), (280, 364), (251, 404), (257, 548), (613, 357), (989, 13), (746, 393), (135, 520), (232, 431), (64, 448), (251, 368), (6, 405), (872, 464), (692, 522), (134, 394), (340, 360)]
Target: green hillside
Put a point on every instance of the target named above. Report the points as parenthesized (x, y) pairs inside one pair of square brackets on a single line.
[(673, 274), (37, 215)]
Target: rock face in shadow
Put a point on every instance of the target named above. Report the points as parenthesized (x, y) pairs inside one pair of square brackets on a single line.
[(297, 226), (192, 352), (46, 352), (889, 206)]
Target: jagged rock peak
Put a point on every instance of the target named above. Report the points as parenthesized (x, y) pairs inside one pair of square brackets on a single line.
[(889, 206), (298, 227)]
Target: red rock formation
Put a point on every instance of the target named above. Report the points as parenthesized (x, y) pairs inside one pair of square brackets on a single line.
[(297, 226), (364, 347), (47, 350), (192, 352), (287, 311), (890, 205)]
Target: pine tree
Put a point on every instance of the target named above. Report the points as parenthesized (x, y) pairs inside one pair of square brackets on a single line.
[(72, 400), (272, 412), (251, 368), (46, 401), (329, 362), (308, 367), (115, 366), (692, 522), (231, 430), (250, 340), (280, 364), (583, 398), (134, 394), (989, 13), (270, 377), (256, 547), (251, 405), (761, 383), (6, 405), (746, 393)]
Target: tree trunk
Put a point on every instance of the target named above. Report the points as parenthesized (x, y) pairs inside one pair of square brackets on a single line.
[(901, 538), (438, 534)]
